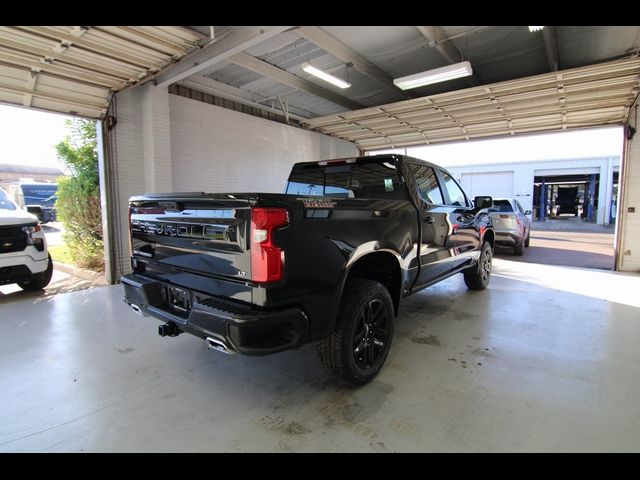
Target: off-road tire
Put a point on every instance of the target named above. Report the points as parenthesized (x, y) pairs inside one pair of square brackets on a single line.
[(478, 276), (338, 351)]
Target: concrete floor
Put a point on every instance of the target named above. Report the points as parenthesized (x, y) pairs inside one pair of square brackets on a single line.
[(61, 282), (546, 359)]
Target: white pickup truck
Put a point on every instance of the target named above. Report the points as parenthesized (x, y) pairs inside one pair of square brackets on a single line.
[(24, 258)]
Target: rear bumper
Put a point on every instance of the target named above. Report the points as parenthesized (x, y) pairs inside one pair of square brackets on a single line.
[(508, 238), (245, 329)]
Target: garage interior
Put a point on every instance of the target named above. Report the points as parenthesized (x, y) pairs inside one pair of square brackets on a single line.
[(540, 361)]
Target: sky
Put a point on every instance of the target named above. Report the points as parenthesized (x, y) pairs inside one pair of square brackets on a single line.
[(27, 137), (600, 142)]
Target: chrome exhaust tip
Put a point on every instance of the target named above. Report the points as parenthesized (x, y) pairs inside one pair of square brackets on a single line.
[(219, 345), (137, 309)]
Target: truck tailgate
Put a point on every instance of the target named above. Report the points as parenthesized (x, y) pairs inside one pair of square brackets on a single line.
[(198, 241)]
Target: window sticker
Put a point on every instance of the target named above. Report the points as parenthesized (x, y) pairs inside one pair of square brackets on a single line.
[(388, 185)]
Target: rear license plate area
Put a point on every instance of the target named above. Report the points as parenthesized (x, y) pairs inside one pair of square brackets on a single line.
[(179, 301)]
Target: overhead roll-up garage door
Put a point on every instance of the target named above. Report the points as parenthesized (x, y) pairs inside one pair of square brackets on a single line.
[(496, 184)]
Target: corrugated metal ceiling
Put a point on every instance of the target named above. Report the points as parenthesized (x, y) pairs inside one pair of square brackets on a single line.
[(75, 70), (497, 54), (582, 97)]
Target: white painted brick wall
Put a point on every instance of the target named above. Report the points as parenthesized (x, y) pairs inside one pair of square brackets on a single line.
[(215, 149), (156, 139), (128, 161), (630, 233)]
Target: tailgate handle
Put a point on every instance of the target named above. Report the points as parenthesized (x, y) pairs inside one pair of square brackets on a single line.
[(429, 219)]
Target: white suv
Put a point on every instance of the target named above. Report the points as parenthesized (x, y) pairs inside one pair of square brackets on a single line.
[(24, 258)]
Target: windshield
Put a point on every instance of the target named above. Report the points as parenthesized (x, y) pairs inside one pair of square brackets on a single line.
[(501, 206), (40, 194), (365, 179), (5, 203)]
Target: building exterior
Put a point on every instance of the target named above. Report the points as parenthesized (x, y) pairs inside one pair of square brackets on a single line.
[(522, 181), (10, 173)]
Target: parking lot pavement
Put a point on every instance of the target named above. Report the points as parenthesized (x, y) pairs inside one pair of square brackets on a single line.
[(589, 249), (53, 232)]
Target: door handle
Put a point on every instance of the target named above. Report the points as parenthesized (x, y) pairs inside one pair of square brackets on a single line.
[(429, 219)]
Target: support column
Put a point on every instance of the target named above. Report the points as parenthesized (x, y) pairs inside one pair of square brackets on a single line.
[(137, 160), (105, 203), (627, 244), (606, 192), (592, 195), (543, 201)]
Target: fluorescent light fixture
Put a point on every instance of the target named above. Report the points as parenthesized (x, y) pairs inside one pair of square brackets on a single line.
[(535, 29), (457, 70), (325, 76)]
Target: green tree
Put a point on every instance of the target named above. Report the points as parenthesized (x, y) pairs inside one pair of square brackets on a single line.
[(78, 204)]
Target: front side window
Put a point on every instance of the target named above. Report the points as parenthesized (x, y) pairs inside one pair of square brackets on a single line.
[(427, 183), (456, 195)]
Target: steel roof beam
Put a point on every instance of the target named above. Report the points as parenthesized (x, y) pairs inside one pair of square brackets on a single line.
[(32, 76), (551, 47), (448, 50), (208, 85), (338, 49), (238, 40), (263, 68)]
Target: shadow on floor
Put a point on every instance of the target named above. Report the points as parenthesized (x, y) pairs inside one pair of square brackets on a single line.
[(66, 285), (558, 256)]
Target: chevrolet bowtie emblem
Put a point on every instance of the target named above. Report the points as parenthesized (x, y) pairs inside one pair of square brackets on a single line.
[(7, 244)]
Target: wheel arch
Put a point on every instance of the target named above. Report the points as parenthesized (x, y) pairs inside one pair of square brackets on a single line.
[(381, 266), (489, 236)]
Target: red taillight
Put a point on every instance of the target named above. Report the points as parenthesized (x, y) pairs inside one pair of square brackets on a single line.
[(266, 257)]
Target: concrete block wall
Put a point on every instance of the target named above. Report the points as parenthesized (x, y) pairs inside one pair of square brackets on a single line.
[(125, 156), (156, 137)]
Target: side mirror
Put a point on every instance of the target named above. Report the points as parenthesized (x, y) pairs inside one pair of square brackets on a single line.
[(527, 212), (483, 202)]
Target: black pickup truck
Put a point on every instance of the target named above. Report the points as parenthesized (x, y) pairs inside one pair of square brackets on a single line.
[(328, 261)]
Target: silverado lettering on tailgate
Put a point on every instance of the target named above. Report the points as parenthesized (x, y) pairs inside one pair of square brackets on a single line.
[(318, 202)]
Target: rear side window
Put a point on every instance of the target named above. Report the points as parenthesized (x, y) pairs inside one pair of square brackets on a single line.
[(427, 183), (364, 179), (501, 206), (519, 207), (456, 195)]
